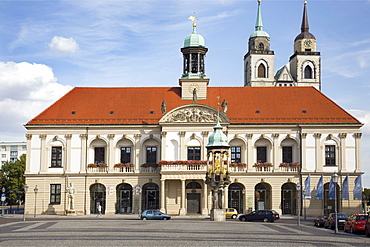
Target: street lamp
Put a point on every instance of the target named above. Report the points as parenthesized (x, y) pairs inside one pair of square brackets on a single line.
[(24, 203), (334, 177), (35, 190), (298, 187), (2, 201)]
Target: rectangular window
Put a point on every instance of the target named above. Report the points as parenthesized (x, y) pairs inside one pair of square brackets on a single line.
[(236, 154), (3, 148), (287, 154), (193, 153), (55, 193), (330, 155), (125, 155), (151, 155), (261, 154), (99, 156), (24, 147), (3, 156), (13, 154), (56, 157)]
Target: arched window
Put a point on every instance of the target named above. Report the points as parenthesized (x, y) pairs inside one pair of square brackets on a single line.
[(308, 72), (261, 71), (261, 47)]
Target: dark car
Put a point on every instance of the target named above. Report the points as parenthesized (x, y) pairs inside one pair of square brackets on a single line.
[(367, 226), (355, 223), (330, 221), (320, 220), (260, 215), (154, 215)]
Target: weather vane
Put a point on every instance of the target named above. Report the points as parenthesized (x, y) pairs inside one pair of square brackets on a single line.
[(193, 18)]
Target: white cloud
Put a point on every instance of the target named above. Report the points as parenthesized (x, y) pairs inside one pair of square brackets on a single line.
[(26, 90), (63, 45), (363, 117)]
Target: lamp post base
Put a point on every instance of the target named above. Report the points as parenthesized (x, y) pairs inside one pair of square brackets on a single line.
[(218, 215)]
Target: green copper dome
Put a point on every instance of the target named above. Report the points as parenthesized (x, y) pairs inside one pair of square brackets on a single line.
[(217, 138), (194, 39)]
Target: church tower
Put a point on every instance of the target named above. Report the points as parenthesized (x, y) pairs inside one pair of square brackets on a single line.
[(305, 63), (259, 61), (193, 81)]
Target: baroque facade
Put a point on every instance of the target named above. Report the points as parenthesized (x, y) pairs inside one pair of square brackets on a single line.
[(146, 149)]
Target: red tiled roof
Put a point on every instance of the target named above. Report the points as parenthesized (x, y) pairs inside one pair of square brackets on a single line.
[(255, 105)]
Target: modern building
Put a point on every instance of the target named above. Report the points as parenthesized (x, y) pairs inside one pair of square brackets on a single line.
[(130, 149), (11, 151)]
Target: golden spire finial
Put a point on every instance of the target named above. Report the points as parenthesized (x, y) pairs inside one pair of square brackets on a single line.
[(305, 2), (259, 1)]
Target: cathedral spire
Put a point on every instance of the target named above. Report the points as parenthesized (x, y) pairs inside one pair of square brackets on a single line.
[(305, 27), (259, 25)]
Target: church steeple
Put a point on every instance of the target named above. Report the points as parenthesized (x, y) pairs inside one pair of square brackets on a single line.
[(259, 61), (305, 63)]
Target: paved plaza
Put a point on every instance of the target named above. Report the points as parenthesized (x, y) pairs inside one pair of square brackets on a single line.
[(179, 231)]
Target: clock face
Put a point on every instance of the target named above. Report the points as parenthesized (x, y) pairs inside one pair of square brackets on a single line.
[(192, 86), (308, 43)]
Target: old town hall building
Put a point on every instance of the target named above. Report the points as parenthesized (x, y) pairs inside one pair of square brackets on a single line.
[(131, 149)]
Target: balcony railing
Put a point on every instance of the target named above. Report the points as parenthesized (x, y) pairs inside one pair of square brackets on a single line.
[(289, 169), (263, 168), (237, 169), (182, 167), (97, 169), (124, 169)]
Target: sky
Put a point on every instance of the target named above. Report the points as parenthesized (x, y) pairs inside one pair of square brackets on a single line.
[(47, 47)]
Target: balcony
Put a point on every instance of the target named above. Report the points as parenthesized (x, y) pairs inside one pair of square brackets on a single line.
[(97, 169), (124, 169), (263, 168), (289, 169), (184, 167), (237, 169)]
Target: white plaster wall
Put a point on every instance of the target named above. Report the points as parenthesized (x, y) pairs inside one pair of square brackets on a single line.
[(35, 160), (351, 159), (310, 159)]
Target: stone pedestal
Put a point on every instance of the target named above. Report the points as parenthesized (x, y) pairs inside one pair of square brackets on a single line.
[(71, 212), (218, 215)]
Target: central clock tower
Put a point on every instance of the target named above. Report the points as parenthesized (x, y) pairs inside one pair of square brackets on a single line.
[(193, 80)]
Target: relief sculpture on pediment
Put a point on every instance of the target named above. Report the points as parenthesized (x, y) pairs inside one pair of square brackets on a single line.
[(193, 114)]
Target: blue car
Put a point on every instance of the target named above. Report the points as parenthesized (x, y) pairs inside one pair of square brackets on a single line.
[(154, 215)]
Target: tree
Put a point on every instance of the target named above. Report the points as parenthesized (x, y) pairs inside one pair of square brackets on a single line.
[(13, 180)]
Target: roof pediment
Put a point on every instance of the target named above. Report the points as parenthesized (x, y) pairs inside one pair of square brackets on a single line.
[(194, 113)]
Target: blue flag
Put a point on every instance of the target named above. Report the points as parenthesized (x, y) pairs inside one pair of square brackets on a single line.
[(357, 191), (307, 189), (320, 189), (331, 190), (345, 191)]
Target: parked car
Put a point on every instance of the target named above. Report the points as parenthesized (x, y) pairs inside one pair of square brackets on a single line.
[(330, 221), (260, 215), (231, 213), (320, 220), (367, 226), (355, 223), (154, 215)]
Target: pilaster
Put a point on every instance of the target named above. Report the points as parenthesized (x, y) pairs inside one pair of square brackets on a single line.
[(163, 145), (342, 158), (249, 155), (205, 142), (318, 156), (275, 152), (83, 152), (67, 164), (137, 152), (163, 195), (183, 194), (182, 145), (28, 152), (43, 160), (358, 149), (303, 153), (111, 152)]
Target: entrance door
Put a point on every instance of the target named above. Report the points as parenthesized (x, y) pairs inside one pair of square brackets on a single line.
[(193, 203), (150, 196), (97, 197), (287, 201), (124, 199), (236, 197)]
